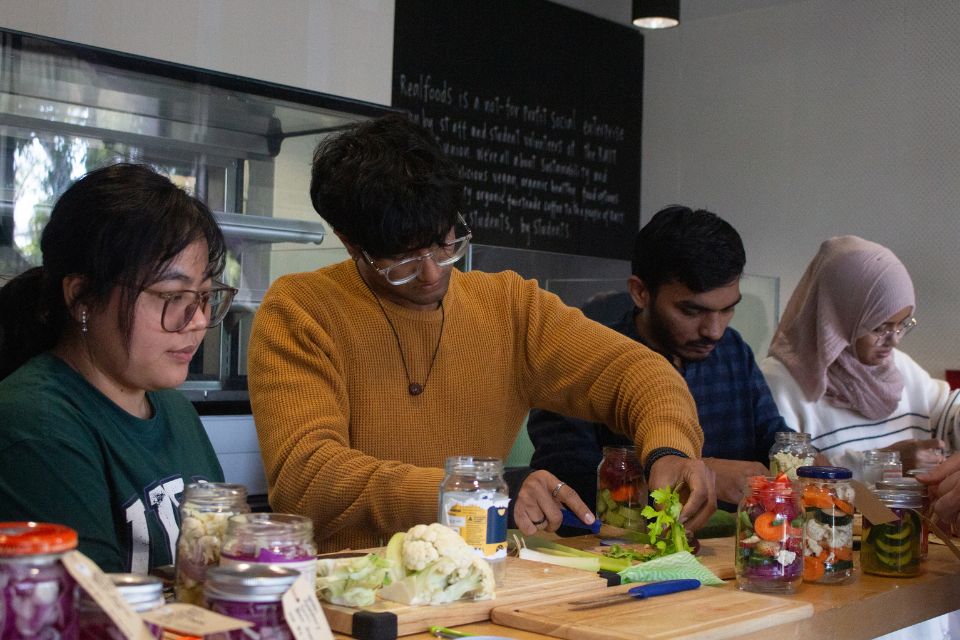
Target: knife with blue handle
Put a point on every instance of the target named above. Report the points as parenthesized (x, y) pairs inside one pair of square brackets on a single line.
[(643, 591)]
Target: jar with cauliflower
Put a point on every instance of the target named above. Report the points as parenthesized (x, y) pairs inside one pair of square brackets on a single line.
[(790, 451), (204, 512), (828, 503)]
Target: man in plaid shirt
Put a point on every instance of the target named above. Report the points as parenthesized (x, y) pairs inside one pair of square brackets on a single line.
[(684, 289)]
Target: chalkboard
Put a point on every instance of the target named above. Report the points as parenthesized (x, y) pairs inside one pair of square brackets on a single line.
[(541, 106)]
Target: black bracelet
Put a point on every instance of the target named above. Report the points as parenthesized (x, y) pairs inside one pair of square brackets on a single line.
[(658, 453)]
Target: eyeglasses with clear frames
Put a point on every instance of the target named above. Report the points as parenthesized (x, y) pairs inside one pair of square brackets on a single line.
[(444, 255), (179, 307), (883, 332)]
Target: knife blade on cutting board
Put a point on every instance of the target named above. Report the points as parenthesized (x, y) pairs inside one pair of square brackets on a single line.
[(649, 590)]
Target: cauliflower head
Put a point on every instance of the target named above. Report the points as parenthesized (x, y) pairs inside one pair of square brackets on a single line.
[(432, 564)]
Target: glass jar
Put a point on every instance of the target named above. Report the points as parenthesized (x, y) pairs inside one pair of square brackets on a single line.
[(251, 592), (473, 501), (204, 512), (769, 549), (880, 465), (893, 548), (39, 597), (790, 451), (142, 593), (828, 503), (915, 486), (282, 539), (621, 492)]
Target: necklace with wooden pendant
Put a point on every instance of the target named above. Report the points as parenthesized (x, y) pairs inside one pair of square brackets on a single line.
[(413, 388)]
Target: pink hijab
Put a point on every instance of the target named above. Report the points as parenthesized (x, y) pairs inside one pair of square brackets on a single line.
[(851, 287)]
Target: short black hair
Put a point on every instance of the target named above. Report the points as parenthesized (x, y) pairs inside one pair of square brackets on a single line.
[(695, 248), (118, 225), (386, 186)]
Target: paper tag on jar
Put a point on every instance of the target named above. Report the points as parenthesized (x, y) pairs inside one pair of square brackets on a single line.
[(98, 586), (191, 620), (870, 505), (303, 612)]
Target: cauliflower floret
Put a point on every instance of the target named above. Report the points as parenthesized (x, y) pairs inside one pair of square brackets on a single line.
[(786, 558)]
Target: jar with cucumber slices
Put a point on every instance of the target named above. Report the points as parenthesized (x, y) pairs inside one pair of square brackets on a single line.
[(893, 548), (621, 492)]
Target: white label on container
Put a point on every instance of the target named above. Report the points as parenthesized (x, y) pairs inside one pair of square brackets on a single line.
[(480, 518), (191, 620), (303, 612), (305, 567)]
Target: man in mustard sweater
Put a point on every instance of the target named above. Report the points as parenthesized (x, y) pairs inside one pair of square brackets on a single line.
[(366, 375)]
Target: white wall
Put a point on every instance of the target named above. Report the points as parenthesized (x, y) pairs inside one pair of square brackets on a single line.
[(811, 118)]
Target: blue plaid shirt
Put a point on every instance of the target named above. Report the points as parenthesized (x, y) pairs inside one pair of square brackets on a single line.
[(736, 411)]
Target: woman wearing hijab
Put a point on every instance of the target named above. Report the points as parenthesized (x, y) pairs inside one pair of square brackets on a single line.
[(835, 370)]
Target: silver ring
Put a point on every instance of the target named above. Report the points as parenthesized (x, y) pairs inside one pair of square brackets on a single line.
[(537, 523), (556, 489)]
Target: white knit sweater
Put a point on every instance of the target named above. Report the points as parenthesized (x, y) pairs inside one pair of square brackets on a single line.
[(927, 409)]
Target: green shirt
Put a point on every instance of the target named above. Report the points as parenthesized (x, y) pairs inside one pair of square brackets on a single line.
[(70, 455)]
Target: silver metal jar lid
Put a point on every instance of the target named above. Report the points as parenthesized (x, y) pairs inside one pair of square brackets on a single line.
[(142, 593), (249, 582), (900, 498), (902, 484)]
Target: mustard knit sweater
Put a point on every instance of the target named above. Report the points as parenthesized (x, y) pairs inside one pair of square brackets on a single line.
[(344, 443)]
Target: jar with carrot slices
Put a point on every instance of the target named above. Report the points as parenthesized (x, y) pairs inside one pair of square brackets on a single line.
[(769, 549), (621, 491), (828, 503)]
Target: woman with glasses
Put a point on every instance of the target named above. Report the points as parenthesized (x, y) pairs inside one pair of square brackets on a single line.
[(92, 433), (835, 369)]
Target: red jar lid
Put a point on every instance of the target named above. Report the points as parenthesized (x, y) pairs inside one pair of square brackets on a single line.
[(34, 538)]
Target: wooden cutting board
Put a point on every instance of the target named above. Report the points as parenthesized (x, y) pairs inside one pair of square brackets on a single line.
[(524, 581), (712, 613)]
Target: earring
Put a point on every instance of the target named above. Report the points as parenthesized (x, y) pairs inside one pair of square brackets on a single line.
[(83, 321)]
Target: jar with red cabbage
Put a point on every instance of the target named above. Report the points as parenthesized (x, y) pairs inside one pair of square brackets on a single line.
[(204, 511), (281, 539), (142, 593), (251, 592), (769, 549), (39, 597)]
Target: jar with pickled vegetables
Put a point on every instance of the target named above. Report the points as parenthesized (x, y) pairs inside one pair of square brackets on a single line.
[(39, 597), (769, 546), (621, 492), (913, 485), (790, 451), (893, 548), (142, 593), (828, 503), (253, 593), (204, 512), (281, 539)]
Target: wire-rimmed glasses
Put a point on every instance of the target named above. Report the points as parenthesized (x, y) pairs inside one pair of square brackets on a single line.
[(884, 332), (179, 307), (443, 255)]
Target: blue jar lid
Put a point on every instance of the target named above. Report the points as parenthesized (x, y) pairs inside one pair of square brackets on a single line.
[(825, 473)]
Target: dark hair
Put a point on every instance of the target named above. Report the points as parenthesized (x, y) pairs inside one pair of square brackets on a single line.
[(695, 248), (386, 186), (121, 224)]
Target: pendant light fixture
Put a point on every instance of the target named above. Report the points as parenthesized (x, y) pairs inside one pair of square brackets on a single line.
[(656, 14)]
